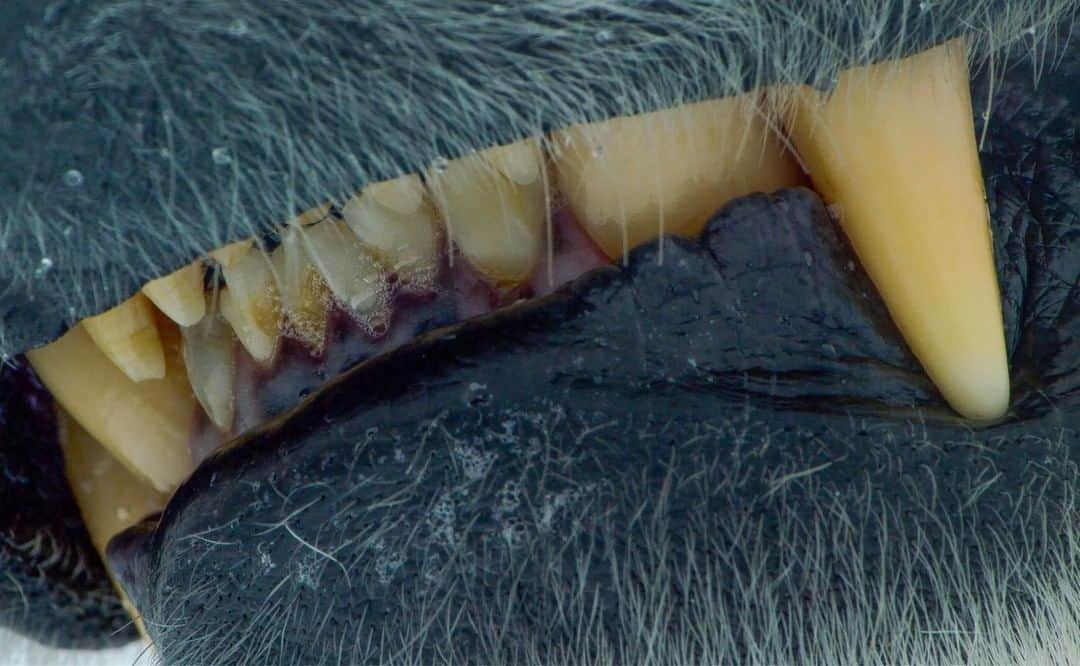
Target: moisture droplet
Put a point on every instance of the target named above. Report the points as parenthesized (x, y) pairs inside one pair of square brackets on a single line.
[(925, 6), (122, 513), (73, 178), (439, 164), (221, 156), (44, 267), (238, 28), (604, 36), (165, 153)]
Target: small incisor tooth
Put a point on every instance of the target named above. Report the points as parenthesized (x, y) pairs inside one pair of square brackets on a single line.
[(250, 303), (494, 204), (630, 179), (402, 195), (179, 295), (145, 425), (128, 335), (407, 241), (304, 294), (349, 269), (211, 368), (893, 148)]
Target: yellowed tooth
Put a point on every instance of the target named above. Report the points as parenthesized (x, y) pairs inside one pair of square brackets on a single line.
[(629, 179), (251, 303), (179, 295), (110, 497), (227, 255), (145, 425), (350, 270), (495, 208), (128, 335), (405, 237), (304, 294), (209, 357), (402, 195), (893, 149)]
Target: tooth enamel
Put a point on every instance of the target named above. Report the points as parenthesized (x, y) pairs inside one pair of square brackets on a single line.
[(128, 335), (145, 425), (349, 269), (250, 303), (110, 498), (894, 147), (629, 179), (407, 242), (232, 253), (211, 368), (402, 195), (304, 294), (493, 213), (180, 294)]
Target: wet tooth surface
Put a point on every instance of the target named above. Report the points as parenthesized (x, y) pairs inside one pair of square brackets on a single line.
[(145, 425), (128, 335), (209, 356), (893, 149), (408, 241), (304, 294), (251, 304), (630, 179), (494, 206), (180, 294), (352, 273)]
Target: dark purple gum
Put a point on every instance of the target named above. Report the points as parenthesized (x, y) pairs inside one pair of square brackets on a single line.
[(457, 293)]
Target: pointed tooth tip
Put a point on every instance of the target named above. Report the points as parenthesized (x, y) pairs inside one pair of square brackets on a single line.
[(977, 387)]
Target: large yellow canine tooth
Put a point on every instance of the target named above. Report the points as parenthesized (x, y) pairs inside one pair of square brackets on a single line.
[(128, 335), (495, 208), (180, 294), (145, 425), (631, 179), (893, 148), (110, 497)]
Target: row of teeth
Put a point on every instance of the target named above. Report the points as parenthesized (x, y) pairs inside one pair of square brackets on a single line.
[(891, 149)]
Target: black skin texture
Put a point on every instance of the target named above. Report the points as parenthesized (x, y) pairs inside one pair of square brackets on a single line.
[(53, 585), (605, 404)]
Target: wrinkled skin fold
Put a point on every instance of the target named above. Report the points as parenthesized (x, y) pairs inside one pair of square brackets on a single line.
[(729, 456)]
